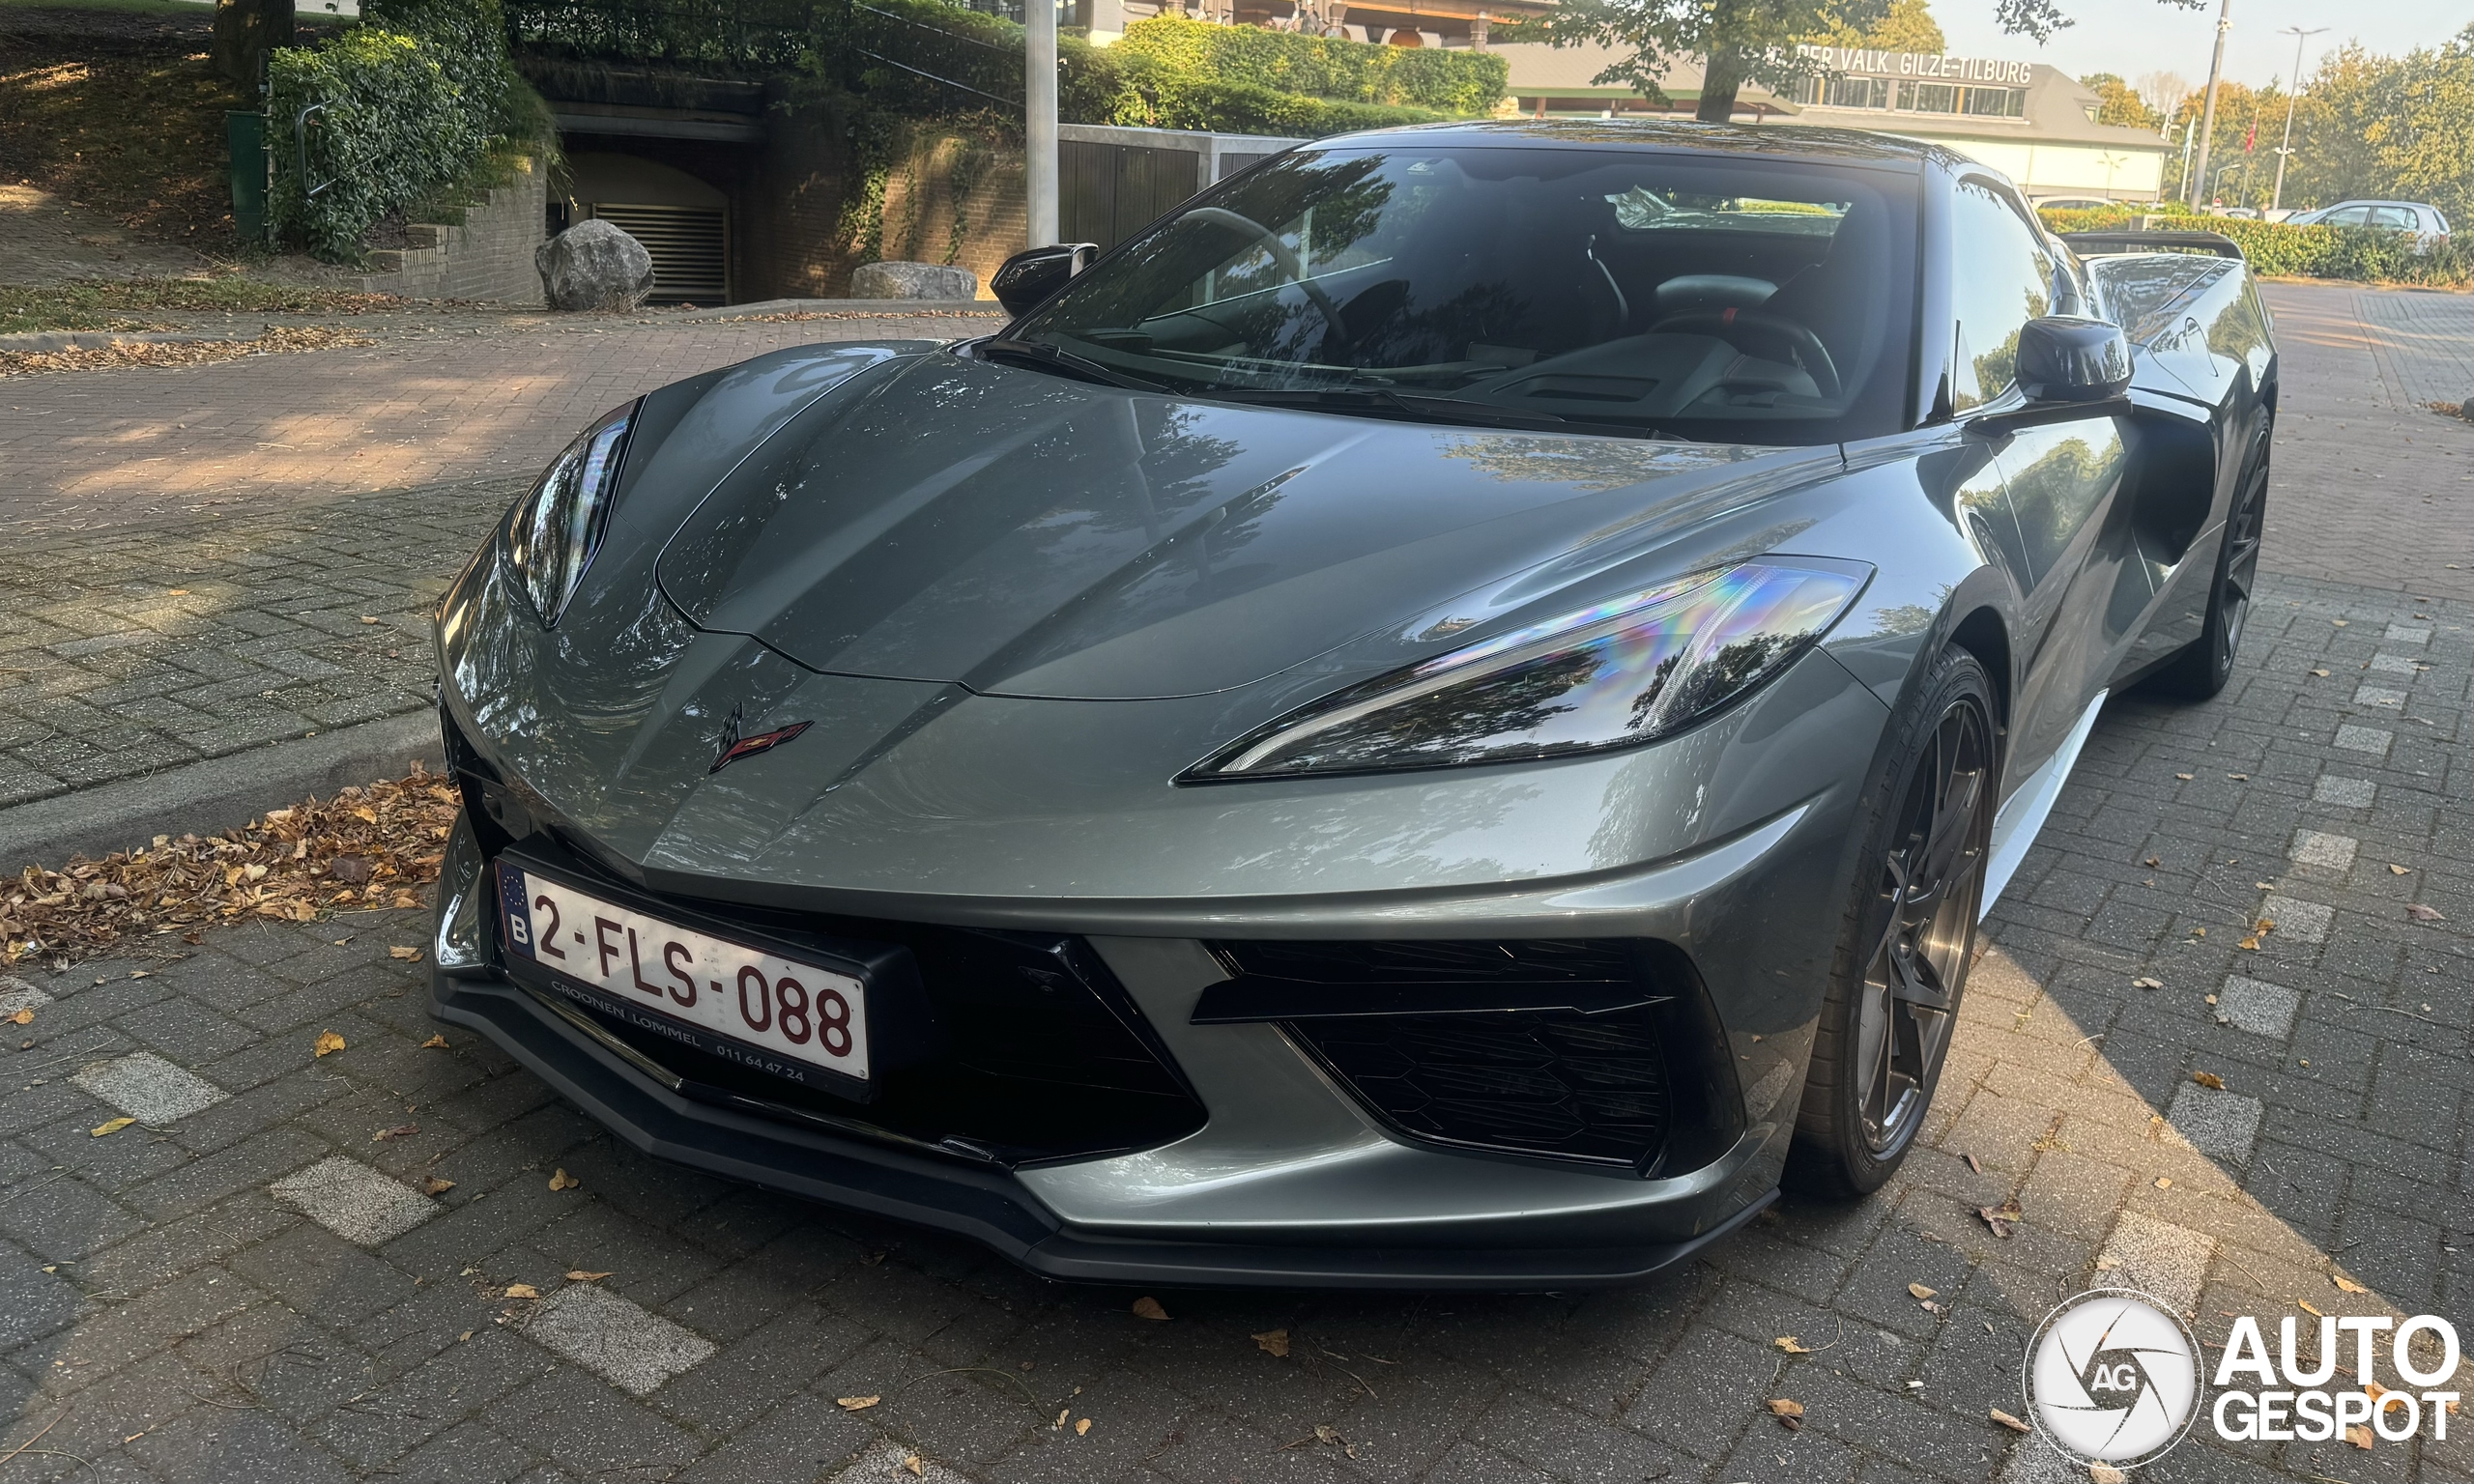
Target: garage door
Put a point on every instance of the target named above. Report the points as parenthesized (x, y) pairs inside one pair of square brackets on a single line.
[(690, 247)]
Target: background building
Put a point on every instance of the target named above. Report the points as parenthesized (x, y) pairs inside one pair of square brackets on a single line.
[(2031, 122)]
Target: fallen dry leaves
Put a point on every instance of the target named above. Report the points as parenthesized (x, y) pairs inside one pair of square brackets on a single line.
[(1148, 1307), (22, 1018), (1792, 1345), (372, 846), (561, 1180), (856, 1403), (399, 1131), (1081, 1427), (2423, 914), (1790, 1415), (328, 1042), (2009, 1421), (2003, 1219), (2348, 1285), (580, 1275), (2208, 1079), (1272, 1342), (431, 1184), (434, 1044), (2106, 1473), (110, 1126), (521, 1291), (276, 340), (2359, 1436)]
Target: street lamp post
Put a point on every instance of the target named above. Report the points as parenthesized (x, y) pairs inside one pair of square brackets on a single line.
[(1039, 122), (2208, 114), (2285, 150)]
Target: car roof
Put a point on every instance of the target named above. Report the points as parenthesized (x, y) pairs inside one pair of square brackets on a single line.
[(1794, 142)]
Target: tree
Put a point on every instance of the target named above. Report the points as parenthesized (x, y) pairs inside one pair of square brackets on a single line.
[(1739, 40), (245, 32), (1907, 25), (2119, 102)]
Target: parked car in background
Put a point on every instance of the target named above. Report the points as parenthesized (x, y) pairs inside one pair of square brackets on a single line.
[(2420, 217)]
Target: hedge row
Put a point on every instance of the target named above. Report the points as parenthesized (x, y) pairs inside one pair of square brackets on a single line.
[(1103, 87), (2281, 250), (1119, 84), (394, 125), (1344, 71)]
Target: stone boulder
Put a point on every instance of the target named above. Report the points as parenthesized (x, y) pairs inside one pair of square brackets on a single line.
[(912, 281), (593, 265)]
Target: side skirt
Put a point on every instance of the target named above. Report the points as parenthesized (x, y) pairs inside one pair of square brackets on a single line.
[(2023, 818)]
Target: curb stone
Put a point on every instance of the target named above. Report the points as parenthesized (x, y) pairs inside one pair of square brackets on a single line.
[(216, 793)]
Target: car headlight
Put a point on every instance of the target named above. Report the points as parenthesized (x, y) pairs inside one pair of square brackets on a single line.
[(1641, 667), (553, 532)]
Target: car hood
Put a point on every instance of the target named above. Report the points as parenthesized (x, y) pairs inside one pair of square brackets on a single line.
[(1019, 534)]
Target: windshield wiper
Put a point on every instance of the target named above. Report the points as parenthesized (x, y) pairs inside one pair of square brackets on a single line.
[(1049, 358), (1430, 409)]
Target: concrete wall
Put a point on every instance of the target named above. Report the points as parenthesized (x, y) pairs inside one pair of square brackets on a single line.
[(489, 257)]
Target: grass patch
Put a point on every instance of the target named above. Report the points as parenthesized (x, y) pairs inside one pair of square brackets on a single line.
[(179, 9), (127, 303), (139, 137)]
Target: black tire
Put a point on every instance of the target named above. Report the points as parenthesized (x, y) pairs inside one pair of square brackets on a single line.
[(2200, 670), (1908, 932)]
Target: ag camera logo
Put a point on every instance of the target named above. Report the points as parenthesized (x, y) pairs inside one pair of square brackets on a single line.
[(2112, 1378)]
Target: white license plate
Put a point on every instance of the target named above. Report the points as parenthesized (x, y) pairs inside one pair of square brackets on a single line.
[(742, 994)]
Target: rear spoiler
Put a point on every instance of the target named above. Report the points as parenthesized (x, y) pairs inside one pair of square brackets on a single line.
[(2126, 240)]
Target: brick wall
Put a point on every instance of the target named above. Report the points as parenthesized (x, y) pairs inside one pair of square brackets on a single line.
[(489, 257), (950, 197), (955, 198)]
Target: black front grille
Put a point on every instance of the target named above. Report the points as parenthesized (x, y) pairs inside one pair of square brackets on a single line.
[(1549, 1082), (1014, 1048), (1601, 1051)]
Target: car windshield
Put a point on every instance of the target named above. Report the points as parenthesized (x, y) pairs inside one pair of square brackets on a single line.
[(1724, 299)]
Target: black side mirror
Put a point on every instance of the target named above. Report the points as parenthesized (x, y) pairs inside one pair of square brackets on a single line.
[(2065, 358), (1029, 278)]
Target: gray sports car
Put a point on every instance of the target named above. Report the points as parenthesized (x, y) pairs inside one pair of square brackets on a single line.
[(1444, 716)]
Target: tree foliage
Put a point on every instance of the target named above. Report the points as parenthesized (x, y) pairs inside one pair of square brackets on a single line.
[(1754, 40), (2121, 102), (1905, 25)]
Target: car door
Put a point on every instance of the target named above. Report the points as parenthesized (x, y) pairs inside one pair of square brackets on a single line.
[(2081, 596)]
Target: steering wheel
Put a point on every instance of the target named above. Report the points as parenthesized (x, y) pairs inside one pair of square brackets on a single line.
[(1247, 227), (1808, 351)]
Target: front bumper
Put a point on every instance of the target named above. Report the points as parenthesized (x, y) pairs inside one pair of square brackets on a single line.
[(1290, 1182), (995, 1207)]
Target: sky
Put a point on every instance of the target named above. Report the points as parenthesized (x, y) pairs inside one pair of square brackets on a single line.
[(2132, 36)]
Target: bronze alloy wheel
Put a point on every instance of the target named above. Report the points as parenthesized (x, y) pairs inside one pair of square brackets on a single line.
[(2241, 564), (1931, 883), (1914, 888)]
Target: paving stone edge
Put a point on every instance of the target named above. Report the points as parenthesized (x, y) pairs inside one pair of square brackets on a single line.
[(215, 793)]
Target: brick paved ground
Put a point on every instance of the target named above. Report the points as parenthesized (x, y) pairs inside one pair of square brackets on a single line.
[(194, 554), (207, 1294)]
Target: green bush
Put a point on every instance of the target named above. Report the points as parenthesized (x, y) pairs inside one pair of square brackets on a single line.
[(1464, 82), (2279, 249), (468, 38), (1112, 85), (1121, 84), (394, 125)]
